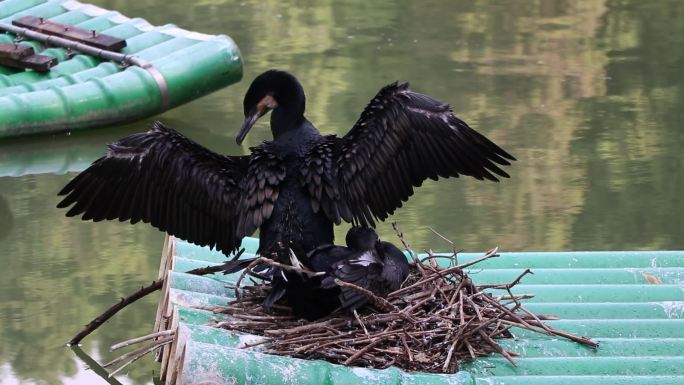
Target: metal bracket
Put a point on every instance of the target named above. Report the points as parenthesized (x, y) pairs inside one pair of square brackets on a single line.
[(156, 75)]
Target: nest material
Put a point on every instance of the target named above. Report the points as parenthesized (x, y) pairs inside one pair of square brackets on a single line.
[(437, 319)]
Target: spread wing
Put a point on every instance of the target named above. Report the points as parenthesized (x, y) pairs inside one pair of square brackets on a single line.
[(162, 178), (402, 138)]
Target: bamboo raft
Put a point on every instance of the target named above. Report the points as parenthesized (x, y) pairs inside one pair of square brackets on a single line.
[(632, 303)]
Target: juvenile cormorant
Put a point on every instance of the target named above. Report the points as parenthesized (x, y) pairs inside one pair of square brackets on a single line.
[(293, 188), (366, 262), (378, 266)]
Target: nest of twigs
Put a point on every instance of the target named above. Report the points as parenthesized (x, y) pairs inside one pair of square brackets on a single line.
[(437, 319)]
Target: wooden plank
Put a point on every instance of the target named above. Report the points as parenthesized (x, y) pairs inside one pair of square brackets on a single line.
[(15, 51), (38, 63), (89, 37)]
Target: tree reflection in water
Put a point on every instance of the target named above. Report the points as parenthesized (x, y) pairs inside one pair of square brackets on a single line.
[(587, 95)]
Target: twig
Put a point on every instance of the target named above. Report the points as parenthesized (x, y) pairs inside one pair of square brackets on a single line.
[(498, 348), (413, 255), (361, 352), (144, 349), (560, 333), (301, 269), (358, 319), (514, 296), (453, 245), (378, 302), (431, 257), (508, 285), (268, 261), (109, 313), (134, 341), (505, 310), (154, 286), (406, 348), (442, 236), (445, 367), (489, 254), (139, 356), (246, 271)]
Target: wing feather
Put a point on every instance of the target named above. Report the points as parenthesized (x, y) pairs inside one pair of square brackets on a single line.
[(401, 139), (163, 178), (363, 270), (266, 172), (319, 177)]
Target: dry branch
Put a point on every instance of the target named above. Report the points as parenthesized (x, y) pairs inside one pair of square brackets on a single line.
[(144, 291)]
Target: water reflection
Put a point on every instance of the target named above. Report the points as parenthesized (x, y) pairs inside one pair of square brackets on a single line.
[(75, 151), (94, 366), (588, 95), (57, 273), (6, 218)]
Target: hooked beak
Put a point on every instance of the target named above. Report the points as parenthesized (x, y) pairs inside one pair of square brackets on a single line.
[(265, 105)]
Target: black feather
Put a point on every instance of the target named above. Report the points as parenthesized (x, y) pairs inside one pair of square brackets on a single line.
[(160, 177), (294, 188)]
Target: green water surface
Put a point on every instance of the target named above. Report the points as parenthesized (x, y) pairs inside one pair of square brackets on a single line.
[(588, 95)]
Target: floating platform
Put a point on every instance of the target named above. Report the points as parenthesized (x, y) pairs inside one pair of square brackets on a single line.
[(632, 303), (131, 70)]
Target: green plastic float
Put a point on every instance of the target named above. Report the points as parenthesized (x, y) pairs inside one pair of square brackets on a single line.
[(164, 67), (609, 296)]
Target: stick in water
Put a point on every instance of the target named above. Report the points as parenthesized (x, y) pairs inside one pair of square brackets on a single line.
[(151, 288)]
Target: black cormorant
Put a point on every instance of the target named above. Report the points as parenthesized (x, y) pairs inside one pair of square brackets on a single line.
[(293, 188)]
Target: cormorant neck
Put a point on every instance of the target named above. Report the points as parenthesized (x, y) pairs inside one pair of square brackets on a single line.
[(286, 120)]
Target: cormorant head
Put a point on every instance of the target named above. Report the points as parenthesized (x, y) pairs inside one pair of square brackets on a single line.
[(273, 90), (362, 238)]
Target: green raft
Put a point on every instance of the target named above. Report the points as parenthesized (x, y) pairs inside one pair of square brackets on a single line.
[(631, 302), (160, 68)]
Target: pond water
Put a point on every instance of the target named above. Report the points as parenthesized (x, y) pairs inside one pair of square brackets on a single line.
[(589, 96)]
